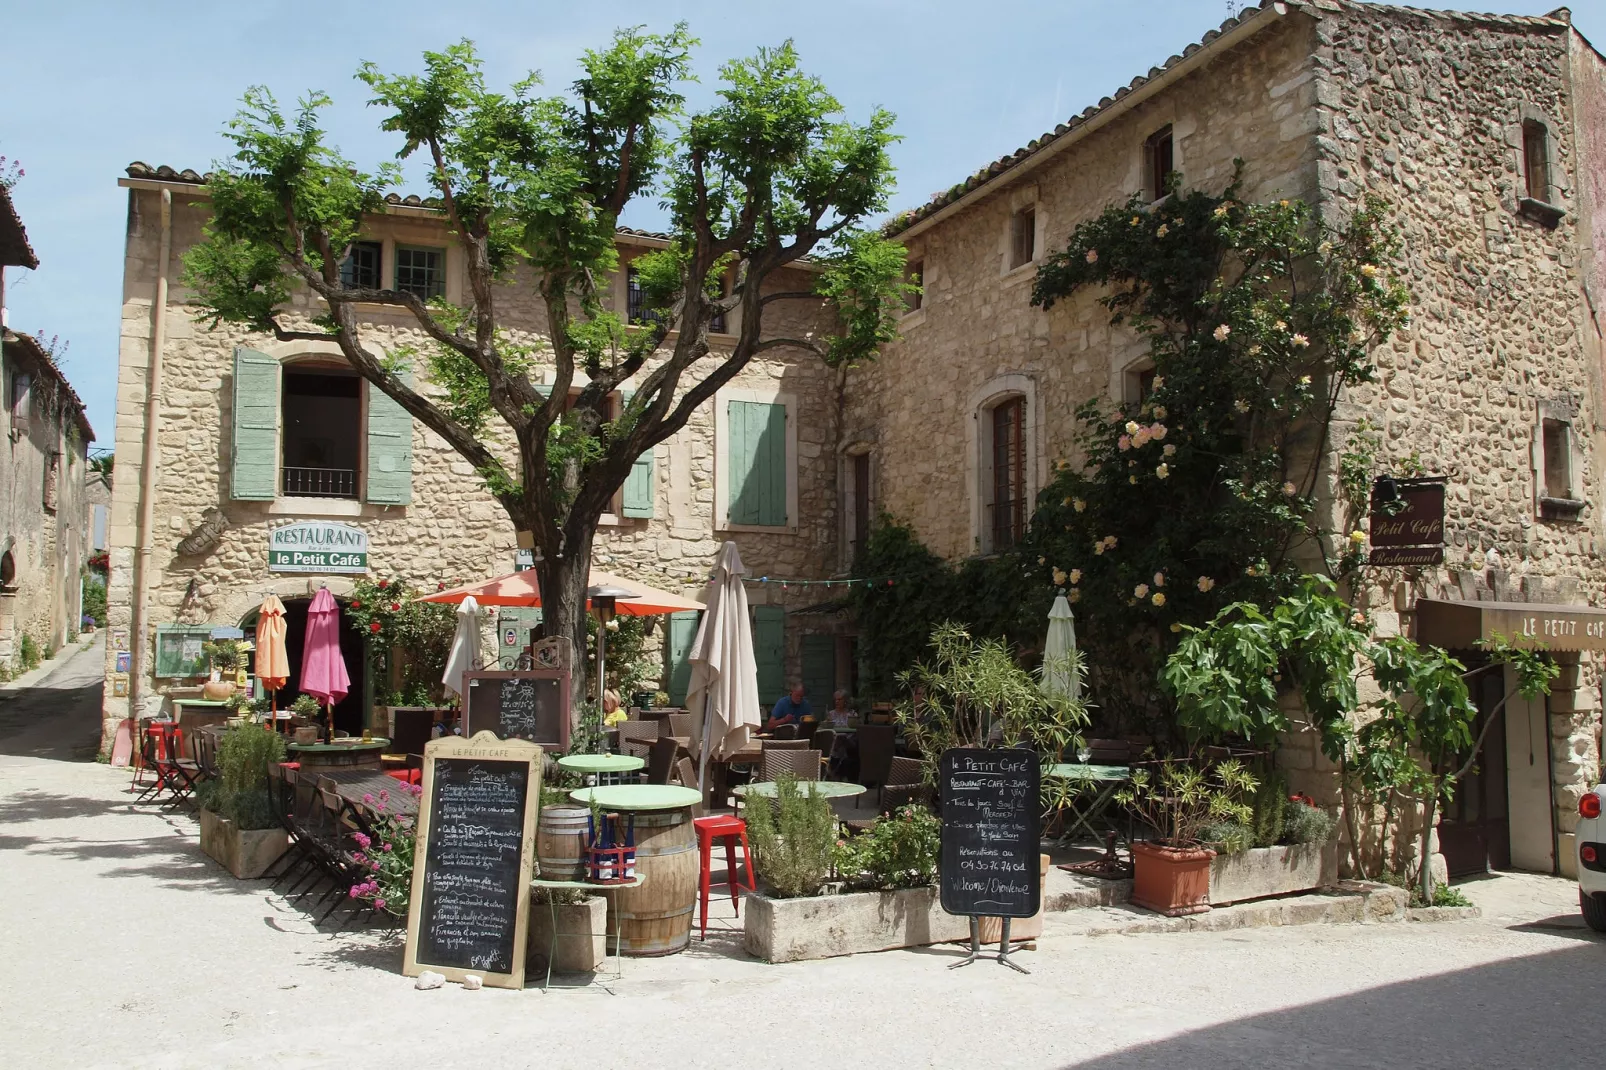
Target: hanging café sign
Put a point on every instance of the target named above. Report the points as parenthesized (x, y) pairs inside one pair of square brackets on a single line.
[(317, 546), (1407, 521)]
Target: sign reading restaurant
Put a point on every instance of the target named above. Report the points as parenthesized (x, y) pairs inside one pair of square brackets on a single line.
[(317, 546)]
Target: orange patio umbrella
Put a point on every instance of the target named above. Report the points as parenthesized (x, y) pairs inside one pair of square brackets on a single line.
[(521, 589), (273, 661)]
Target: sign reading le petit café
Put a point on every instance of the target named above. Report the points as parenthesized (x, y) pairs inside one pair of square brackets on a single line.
[(317, 546)]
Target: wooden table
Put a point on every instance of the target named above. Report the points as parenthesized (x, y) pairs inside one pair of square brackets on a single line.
[(638, 796), (357, 786), (829, 789), (655, 919), (353, 753)]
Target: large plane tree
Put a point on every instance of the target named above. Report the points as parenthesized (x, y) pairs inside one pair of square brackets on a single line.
[(532, 188)]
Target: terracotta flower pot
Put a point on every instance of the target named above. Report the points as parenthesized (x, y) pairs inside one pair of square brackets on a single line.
[(1171, 880), (217, 690)]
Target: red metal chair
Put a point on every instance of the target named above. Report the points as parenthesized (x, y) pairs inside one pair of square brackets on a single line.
[(726, 828)]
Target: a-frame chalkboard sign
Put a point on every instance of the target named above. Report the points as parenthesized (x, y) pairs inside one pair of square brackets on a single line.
[(474, 859)]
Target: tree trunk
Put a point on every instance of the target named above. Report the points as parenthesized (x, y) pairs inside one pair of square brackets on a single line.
[(1425, 869), (563, 612)]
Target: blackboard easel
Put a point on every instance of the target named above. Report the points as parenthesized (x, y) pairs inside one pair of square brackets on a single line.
[(990, 840)]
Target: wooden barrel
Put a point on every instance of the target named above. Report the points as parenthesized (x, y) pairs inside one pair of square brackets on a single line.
[(560, 843), (655, 918)]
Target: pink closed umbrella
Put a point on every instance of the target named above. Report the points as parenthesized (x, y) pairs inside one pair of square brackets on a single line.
[(323, 671)]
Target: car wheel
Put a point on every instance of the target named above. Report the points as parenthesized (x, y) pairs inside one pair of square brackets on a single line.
[(1593, 908)]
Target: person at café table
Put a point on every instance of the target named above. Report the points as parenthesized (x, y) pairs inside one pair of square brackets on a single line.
[(839, 713), (790, 709)]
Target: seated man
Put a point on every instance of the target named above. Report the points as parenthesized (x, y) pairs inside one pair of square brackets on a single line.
[(791, 709)]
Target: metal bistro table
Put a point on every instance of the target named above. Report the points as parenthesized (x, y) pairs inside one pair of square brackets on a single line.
[(552, 946), (1106, 780), (606, 768), (830, 789)]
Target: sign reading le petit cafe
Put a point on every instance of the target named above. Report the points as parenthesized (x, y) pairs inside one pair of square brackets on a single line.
[(317, 546)]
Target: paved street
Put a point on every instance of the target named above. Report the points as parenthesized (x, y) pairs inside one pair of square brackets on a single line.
[(127, 948)]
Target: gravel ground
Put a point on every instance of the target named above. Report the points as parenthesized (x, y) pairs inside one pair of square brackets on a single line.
[(127, 948)]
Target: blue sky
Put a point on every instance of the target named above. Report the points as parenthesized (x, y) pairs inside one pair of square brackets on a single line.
[(94, 85)]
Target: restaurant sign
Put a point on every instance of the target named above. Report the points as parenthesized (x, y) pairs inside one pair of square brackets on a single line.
[(1407, 522), (317, 546)]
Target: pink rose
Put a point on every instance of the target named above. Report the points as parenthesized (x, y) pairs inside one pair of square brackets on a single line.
[(379, 904)]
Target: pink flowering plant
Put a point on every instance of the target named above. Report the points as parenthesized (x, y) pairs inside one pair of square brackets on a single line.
[(386, 856)]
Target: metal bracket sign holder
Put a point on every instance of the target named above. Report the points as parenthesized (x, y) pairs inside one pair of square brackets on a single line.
[(975, 947)]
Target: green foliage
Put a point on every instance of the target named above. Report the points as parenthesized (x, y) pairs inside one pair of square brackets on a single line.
[(29, 652), (1227, 837), (240, 792), (1303, 823), (634, 660), (902, 850), (973, 694), (1445, 895), (408, 641), (387, 856), (95, 599), (794, 838), (307, 707), (1179, 797), (223, 654), (1269, 805)]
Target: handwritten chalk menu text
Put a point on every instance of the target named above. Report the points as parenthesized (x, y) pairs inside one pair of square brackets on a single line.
[(990, 818), (531, 705), (471, 878)]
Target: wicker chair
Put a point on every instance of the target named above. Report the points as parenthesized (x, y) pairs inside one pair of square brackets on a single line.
[(681, 724), (905, 784), (1109, 752), (786, 731), (783, 744), (802, 764), (875, 754), (661, 760)]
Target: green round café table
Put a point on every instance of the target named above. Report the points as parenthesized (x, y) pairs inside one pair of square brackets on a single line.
[(830, 789), (638, 796), (601, 763), (353, 753)]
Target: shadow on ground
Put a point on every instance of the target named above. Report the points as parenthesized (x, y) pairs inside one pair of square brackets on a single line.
[(57, 724), (1504, 1014)]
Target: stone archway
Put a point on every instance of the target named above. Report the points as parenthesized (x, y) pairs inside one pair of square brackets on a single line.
[(296, 594)]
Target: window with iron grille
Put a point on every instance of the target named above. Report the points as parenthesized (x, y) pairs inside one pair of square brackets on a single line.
[(360, 269), (1008, 504), (321, 442), (421, 272), (636, 300)]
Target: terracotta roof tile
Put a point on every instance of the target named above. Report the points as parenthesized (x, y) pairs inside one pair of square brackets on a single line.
[(14, 248), (28, 345)]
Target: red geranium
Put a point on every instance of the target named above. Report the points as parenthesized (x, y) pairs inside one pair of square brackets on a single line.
[(383, 584), (373, 626), (395, 607), (356, 604)]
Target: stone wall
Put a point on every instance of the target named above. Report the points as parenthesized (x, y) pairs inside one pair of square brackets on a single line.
[(452, 531)]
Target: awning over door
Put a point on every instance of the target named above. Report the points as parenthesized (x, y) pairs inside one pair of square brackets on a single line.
[(1460, 625)]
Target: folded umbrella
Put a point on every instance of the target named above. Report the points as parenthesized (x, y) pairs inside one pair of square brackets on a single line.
[(465, 655), (323, 670), (724, 672)]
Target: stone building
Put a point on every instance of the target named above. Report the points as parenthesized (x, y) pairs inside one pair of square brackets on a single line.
[(243, 437), (1487, 135), (42, 512)]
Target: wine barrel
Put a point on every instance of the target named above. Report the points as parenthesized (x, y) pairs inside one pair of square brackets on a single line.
[(655, 918), (560, 843)]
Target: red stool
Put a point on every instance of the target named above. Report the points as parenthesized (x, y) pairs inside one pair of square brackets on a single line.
[(730, 830)]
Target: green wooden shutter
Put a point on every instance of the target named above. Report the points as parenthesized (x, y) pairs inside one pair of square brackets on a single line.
[(390, 448), (769, 652), (756, 437), (819, 669), (638, 489), (682, 632), (256, 426)]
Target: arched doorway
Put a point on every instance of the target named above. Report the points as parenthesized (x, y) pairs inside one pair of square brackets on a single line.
[(350, 711)]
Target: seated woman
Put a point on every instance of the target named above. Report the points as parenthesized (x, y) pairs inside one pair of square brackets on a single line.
[(612, 711), (839, 713)]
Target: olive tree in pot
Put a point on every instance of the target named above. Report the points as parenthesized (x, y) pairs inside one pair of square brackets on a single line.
[(1178, 798), (238, 826)]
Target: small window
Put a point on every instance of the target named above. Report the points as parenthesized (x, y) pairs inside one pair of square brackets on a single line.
[(360, 269), (914, 273), (1023, 237), (636, 301), (859, 475), (1536, 159), (21, 395), (1159, 160), (1558, 459), (322, 433), (8, 571), (1007, 522), (52, 481), (421, 272)]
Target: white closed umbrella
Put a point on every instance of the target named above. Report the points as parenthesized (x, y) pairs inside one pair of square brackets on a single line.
[(724, 673), (1060, 678), (465, 655)]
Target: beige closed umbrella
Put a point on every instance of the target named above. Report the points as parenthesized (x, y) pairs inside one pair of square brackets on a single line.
[(1062, 664), (724, 673), (465, 655)]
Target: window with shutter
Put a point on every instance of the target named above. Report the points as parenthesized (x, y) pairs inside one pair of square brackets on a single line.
[(769, 652), (756, 448), (637, 494), (682, 631), (390, 448), (255, 475), (819, 670)]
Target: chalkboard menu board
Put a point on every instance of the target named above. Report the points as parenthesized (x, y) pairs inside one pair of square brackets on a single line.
[(532, 705), (475, 859), (990, 817)]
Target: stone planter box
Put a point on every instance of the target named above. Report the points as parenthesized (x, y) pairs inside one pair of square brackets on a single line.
[(581, 942), (824, 926), (246, 854), (1264, 871)]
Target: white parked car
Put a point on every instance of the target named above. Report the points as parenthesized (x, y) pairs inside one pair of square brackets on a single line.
[(1590, 842)]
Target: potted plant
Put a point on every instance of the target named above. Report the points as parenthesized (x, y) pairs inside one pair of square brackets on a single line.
[(238, 826), (305, 714), (570, 925), (387, 855), (1287, 847), (223, 658), (1178, 798)]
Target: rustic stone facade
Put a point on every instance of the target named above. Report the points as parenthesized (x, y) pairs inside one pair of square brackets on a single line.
[(1328, 101), (451, 530)]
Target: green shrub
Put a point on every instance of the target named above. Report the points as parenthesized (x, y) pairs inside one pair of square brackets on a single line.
[(30, 652), (1227, 837), (793, 838), (1307, 824), (1446, 896), (95, 601), (900, 851), (241, 791), (1270, 803)]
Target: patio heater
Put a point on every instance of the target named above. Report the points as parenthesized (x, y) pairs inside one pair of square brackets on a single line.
[(604, 600)]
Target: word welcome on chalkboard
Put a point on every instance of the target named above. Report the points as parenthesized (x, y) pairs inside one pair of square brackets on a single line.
[(990, 818), (531, 705), (470, 906)]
